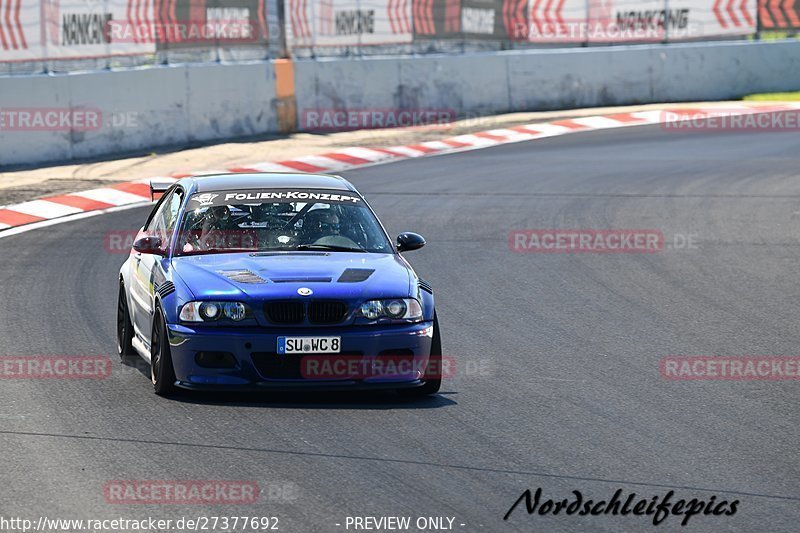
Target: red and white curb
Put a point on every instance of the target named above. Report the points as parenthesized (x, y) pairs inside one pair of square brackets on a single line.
[(54, 209)]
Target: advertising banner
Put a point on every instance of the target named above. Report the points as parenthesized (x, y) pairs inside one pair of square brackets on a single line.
[(37, 30), (779, 15), (613, 21), (675, 20), (348, 22), (204, 23)]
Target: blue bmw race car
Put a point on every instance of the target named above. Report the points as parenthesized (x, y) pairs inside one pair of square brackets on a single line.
[(275, 281)]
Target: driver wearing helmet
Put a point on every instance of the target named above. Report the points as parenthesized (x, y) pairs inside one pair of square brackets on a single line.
[(320, 223), (322, 227), (215, 230)]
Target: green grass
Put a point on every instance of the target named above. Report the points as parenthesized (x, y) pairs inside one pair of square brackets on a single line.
[(774, 97), (773, 36)]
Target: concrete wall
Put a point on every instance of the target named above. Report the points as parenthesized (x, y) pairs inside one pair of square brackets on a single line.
[(139, 109), (152, 107), (551, 78)]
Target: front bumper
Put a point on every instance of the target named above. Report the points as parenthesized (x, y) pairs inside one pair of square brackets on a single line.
[(254, 365)]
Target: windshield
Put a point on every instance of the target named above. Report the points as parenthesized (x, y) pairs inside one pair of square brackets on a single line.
[(279, 220)]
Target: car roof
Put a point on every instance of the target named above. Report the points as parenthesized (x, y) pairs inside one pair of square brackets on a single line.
[(266, 180)]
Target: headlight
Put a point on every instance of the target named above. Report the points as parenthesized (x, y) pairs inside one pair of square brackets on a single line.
[(209, 311), (235, 311), (395, 308), (372, 309), (213, 311)]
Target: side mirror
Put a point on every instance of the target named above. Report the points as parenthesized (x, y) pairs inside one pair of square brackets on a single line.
[(409, 241), (148, 245)]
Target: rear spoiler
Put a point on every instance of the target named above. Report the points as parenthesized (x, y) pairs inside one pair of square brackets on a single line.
[(159, 187)]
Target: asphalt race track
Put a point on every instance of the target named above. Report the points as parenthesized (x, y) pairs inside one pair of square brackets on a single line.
[(557, 386)]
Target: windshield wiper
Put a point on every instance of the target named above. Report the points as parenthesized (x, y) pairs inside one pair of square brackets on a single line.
[(215, 251), (331, 247)]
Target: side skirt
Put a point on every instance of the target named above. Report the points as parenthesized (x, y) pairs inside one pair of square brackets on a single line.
[(139, 346)]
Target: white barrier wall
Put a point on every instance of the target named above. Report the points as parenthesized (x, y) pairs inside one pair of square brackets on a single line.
[(546, 79), (146, 108), (61, 117)]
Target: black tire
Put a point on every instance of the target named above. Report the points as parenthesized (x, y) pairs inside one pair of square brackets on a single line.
[(162, 373), (432, 383), (124, 326)]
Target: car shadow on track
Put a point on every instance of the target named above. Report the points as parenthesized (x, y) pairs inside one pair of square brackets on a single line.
[(318, 400), (303, 400)]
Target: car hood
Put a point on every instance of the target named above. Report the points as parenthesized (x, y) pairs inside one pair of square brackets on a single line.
[(338, 275)]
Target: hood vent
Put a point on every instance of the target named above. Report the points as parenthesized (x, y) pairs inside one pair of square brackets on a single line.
[(242, 276), (355, 275), (425, 286), (301, 280)]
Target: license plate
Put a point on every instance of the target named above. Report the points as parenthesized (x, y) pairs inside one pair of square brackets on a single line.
[(289, 345)]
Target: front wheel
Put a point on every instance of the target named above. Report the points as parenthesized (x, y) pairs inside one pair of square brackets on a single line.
[(162, 373), (124, 325), (433, 373)]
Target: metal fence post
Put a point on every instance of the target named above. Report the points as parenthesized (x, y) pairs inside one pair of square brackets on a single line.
[(283, 50)]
